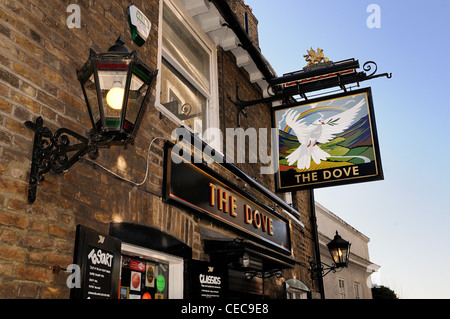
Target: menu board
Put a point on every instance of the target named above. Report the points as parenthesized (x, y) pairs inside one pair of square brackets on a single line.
[(98, 257)]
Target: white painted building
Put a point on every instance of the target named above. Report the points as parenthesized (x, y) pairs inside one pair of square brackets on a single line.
[(353, 282)]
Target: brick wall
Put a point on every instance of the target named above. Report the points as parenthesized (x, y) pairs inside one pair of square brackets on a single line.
[(302, 247), (240, 9), (38, 62), (255, 117)]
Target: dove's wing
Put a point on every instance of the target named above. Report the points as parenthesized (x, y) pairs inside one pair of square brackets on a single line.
[(299, 127), (339, 123)]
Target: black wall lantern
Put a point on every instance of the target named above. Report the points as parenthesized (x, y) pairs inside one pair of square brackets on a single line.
[(340, 252), (116, 87)]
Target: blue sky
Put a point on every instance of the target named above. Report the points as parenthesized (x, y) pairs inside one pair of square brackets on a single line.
[(406, 216)]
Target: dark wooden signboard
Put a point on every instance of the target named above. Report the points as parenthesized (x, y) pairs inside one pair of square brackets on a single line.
[(200, 189)]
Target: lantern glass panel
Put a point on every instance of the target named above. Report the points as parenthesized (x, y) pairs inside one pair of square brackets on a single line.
[(340, 256), (136, 96), (112, 87), (91, 95), (334, 255)]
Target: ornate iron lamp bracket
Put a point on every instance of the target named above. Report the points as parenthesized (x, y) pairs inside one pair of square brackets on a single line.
[(116, 86), (54, 152), (320, 270)]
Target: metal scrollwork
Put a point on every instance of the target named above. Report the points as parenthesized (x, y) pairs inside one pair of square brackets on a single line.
[(368, 67), (51, 153), (265, 274), (186, 109)]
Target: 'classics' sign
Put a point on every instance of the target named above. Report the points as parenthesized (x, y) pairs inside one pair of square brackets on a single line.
[(208, 280), (202, 190)]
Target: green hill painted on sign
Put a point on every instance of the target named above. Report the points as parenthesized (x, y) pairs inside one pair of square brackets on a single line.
[(355, 142)]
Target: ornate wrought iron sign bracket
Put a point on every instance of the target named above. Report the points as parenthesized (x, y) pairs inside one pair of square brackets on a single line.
[(312, 78), (241, 106)]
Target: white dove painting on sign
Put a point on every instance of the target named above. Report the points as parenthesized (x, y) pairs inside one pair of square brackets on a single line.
[(326, 142), (321, 131)]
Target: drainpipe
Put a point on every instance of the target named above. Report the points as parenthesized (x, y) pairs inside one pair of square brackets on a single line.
[(315, 234)]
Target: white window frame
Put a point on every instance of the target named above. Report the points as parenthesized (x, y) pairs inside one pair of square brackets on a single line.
[(212, 97), (293, 293), (341, 286), (176, 266), (357, 290)]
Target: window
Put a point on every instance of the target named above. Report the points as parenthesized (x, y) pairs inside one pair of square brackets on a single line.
[(296, 294), (188, 72), (151, 274), (356, 290), (341, 288), (247, 30), (143, 278)]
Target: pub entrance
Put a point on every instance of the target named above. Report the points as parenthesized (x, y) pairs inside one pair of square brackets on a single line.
[(247, 261), (241, 286)]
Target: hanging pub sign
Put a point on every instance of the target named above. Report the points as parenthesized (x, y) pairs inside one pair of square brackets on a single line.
[(98, 257), (202, 190), (326, 142)]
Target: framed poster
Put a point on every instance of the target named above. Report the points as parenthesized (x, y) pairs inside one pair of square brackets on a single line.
[(144, 279), (327, 142)]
